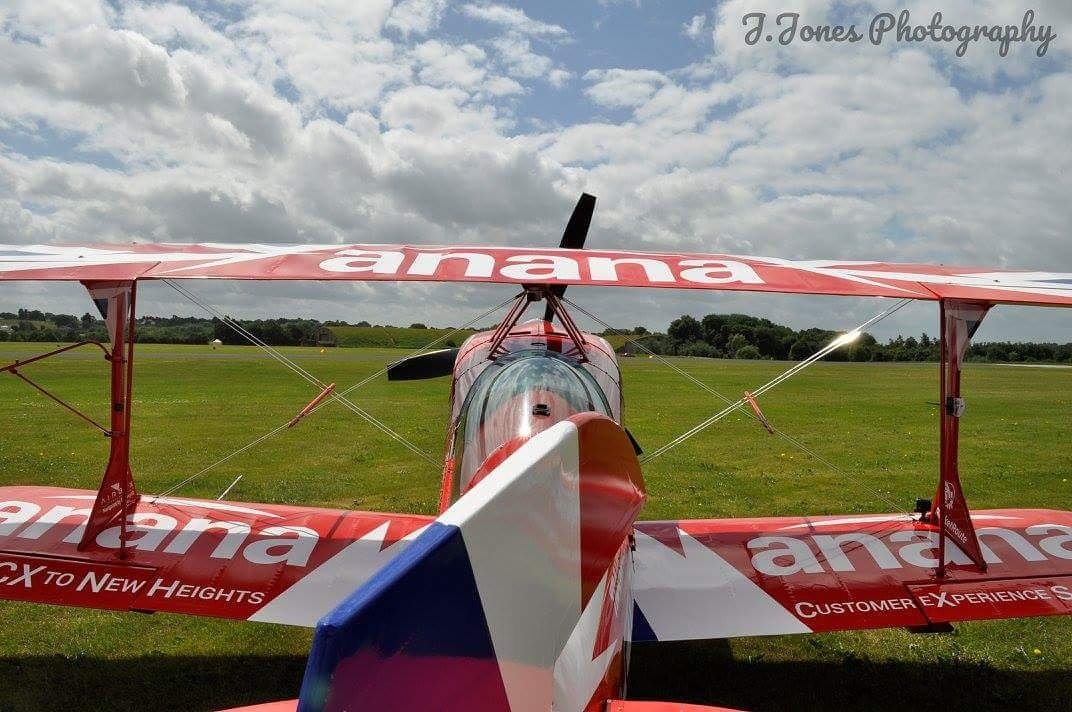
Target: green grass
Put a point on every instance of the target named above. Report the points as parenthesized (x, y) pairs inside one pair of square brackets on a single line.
[(193, 405)]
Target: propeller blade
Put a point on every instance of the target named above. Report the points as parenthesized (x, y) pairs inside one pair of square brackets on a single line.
[(573, 237), (427, 365), (577, 228)]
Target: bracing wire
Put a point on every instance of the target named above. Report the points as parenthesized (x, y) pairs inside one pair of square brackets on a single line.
[(302, 373), (339, 396), (735, 406), (781, 378)]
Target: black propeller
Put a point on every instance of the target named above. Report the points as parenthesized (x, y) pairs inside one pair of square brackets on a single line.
[(573, 238), (427, 365)]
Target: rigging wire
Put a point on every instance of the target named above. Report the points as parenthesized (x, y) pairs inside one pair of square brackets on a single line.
[(306, 376), (303, 373), (735, 406), (777, 380)]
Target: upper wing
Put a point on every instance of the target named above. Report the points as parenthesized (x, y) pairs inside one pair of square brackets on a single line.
[(522, 265), (263, 562), (737, 577)]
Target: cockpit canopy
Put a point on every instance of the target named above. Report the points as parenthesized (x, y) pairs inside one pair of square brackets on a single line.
[(515, 397)]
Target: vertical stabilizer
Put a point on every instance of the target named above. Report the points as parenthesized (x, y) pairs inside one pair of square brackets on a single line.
[(477, 611)]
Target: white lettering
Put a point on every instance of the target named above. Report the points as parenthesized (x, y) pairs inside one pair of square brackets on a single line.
[(1054, 545), (605, 269), (226, 549), (1022, 546), (145, 538), (53, 517), (801, 558), (719, 272), (296, 549), (12, 520), (541, 267), (375, 261), (831, 548), (477, 264), (913, 554)]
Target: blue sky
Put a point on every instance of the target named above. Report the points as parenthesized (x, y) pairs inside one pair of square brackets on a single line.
[(429, 121)]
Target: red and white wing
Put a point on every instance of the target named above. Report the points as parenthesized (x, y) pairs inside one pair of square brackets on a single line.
[(723, 578), (263, 562), (523, 265)]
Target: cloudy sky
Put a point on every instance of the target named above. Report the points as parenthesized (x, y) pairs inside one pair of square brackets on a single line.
[(428, 121)]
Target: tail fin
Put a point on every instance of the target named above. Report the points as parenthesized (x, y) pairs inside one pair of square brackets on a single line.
[(475, 613)]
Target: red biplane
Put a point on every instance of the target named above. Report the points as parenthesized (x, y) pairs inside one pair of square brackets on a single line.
[(525, 592)]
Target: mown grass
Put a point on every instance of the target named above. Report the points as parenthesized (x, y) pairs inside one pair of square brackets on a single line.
[(876, 421)]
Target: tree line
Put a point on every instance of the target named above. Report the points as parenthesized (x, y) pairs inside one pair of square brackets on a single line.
[(748, 337), (714, 336), (34, 325)]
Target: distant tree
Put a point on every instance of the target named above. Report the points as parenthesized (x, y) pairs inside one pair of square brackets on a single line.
[(417, 325), (736, 343), (364, 324), (769, 342), (685, 329), (66, 321), (864, 348), (811, 340), (640, 330), (713, 326)]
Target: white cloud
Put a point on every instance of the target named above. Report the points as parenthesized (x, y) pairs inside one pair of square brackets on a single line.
[(617, 88), (558, 78), (515, 52), (695, 28), (416, 16), (442, 64), (513, 19)]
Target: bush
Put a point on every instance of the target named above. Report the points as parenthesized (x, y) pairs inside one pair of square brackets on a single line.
[(701, 349), (748, 352)]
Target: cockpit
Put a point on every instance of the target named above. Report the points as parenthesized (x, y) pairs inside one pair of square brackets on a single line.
[(513, 398)]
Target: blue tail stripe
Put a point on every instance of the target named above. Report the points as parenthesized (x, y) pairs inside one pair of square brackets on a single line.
[(411, 637), (642, 631)]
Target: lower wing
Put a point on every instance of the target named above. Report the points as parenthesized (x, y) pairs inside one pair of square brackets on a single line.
[(721, 578), (261, 562)]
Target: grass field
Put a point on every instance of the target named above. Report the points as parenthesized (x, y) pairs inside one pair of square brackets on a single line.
[(877, 421)]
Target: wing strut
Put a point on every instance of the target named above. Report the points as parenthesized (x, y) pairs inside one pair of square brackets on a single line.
[(117, 497), (13, 369), (534, 293), (959, 322)]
